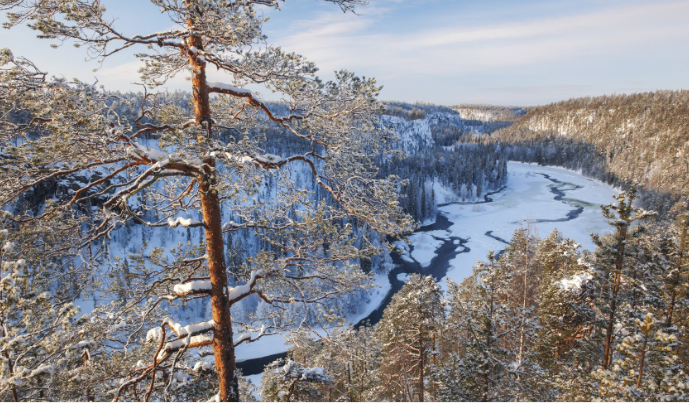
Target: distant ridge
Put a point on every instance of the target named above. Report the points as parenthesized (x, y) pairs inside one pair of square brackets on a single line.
[(490, 113), (638, 138)]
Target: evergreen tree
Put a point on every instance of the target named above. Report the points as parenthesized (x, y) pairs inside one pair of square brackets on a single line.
[(520, 260), (349, 358), (614, 266), (290, 381), (563, 298), (648, 368), (74, 129), (676, 278), (408, 334), (482, 335), (39, 332), (566, 347)]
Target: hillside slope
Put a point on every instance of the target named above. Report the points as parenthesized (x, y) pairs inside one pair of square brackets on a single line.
[(622, 139)]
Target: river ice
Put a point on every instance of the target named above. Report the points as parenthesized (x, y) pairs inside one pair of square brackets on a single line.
[(526, 200)]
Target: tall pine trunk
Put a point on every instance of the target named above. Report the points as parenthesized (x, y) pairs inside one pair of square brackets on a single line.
[(223, 345), (642, 359), (619, 265), (422, 363)]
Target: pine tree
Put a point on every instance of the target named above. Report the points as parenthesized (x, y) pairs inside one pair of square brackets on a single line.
[(614, 265), (520, 260), (408, 335), (482, 334), (677, 259), (563, 298), (349, 357), (196, 168), (39, 331), (648, 368), (290, 381), (564, 348)]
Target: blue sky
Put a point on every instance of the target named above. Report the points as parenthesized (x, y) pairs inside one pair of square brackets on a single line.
[(444, 51)]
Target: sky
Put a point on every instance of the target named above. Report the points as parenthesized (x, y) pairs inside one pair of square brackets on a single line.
[(445, 52)]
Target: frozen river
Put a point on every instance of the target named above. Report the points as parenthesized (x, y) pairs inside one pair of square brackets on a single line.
[(546, 198)]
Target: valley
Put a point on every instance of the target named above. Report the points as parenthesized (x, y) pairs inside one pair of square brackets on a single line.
[(212, 201), (545, 198)]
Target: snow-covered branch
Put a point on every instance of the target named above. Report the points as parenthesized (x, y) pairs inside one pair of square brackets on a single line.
[(254, 100), (193, 288), (180, 221)]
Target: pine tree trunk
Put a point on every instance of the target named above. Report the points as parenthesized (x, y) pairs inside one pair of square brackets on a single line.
[(435, 364), (15, 396), (619, 263), (527, 254), (222, 330), (642, 358), (489, 338), (223, 345), (421, 363), (680, 256)]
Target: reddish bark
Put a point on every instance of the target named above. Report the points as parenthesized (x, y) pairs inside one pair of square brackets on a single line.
[(222, 330), (223, 345), (619, 265)]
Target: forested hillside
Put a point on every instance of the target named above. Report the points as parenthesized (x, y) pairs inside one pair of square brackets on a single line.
[(489, 113), (443, 160), (622, 139)]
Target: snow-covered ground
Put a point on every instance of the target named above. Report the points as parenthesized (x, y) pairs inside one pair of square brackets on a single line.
[(425, 245), (526, 199)]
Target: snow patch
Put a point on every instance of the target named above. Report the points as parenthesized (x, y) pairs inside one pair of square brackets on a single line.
[(424, 248), (229, 87), (193, 287), (574, 283), (180, 221)]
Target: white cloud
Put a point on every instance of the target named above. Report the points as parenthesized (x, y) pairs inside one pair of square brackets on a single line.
[(513, 55), (335, 41)]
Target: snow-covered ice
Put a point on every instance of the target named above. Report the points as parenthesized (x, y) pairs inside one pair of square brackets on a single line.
[(424, 245), (526, 199)]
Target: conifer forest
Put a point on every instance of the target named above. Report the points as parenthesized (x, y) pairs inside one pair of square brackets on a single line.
[(227, 222)]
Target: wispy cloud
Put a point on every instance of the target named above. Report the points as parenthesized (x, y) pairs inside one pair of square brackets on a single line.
[(447, 51), (429, 55), (335, 41), (114, 76)]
